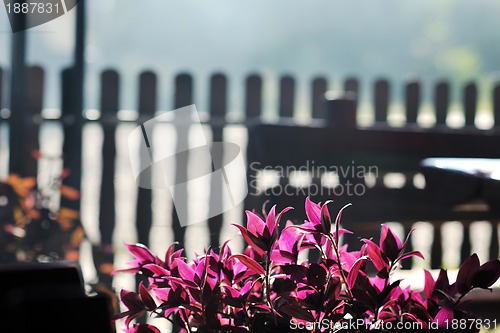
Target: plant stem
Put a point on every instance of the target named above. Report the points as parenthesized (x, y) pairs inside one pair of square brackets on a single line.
[(339, 264), (268, 288)]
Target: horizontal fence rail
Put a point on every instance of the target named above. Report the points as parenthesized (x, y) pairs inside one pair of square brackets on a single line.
[(73, 124)]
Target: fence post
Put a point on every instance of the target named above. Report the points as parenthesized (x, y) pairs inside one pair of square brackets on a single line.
[(412, 100), (381, 100), (318, 90), (496, 104), (287, 97), (218, 109), (183, 97), (253, 110), (351, 84), (1, 90), (32, 118), (26, 106), (470, 103), (441, 101), (107, 210), (341, 110), (436, 248), (17, 130), (147, 109), (71, 118), (494, 245)]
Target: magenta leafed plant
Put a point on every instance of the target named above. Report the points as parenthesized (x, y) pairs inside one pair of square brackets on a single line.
[(267, 288)]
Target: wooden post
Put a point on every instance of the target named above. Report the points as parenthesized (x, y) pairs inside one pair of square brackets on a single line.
[(253, 110), (32, 119), (496, 104), (218, 109), (412, 100), (183, 97), (381, 100), (147, 109), (351, 85), (287, 97), (341, 111), (71, 117), (470, 103), (318, 90), (107, 215), (436, 247), (1, 90), (441, 102), (72, 109), (17, 131)]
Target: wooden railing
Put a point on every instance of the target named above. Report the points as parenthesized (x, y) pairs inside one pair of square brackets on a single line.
[(26, 131)]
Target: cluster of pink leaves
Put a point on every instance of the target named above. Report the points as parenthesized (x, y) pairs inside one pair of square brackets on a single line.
[(266, 287)]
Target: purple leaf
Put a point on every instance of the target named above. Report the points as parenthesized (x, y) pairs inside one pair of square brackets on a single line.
[(353, 273), (429, 284), (313, 212), (249, 240), (141, 253), (297, 273), (157, 270), (411, 254), (407, 239), (375, 255), (183, 282), (271, 220), (134, 305), (146, 297), (326, 220), (444, 317), (442, 282), (316, 276), (337, 224), (249, 262), (487, 275), (255, 225), (186, 272), (389, 243), (466, 273)]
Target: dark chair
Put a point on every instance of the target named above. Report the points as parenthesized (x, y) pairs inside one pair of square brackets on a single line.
[(37, 297)]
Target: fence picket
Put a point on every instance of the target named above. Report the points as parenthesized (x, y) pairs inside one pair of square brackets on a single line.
[(253, 96), (470, 103), (1, 90), (319, 87), (147, 109), (107, 210), (109, 109), (381, 100), (71, 118), (496, 104), (412, 100), (33, 117), (218, 109), (253, 110), (441, 101), (183, 97), (351, 84), (287, 96), (24, 121), (494, 244)]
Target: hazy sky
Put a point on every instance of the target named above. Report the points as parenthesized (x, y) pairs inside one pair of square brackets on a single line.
[(455, 39)]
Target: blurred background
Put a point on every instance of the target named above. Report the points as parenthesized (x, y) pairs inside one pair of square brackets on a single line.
[(453, 40)]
